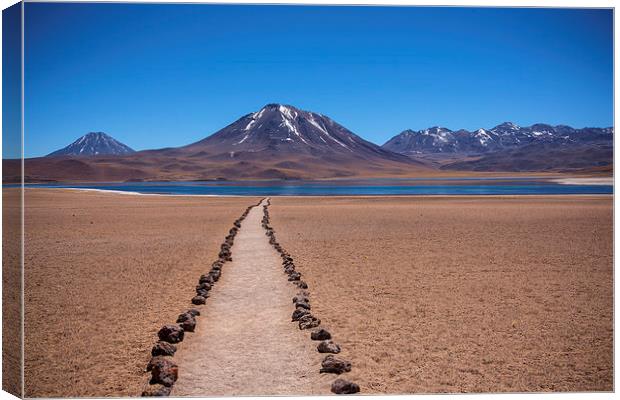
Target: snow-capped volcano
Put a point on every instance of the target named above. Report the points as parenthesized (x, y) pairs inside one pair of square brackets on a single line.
[(286, 129), (92, 144)]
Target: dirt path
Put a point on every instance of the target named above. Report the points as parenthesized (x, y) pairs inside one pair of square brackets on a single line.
[(245, 343)]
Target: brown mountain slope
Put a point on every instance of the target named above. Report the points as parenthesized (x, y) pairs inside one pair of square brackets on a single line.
[(140, 167)]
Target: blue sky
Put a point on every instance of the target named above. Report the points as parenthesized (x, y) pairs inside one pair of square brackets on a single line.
[(11, 82), (167, 75)]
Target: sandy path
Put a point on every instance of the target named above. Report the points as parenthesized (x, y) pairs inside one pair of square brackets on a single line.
[(245, 343)]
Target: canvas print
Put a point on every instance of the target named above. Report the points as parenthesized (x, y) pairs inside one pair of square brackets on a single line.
[(232, 199)]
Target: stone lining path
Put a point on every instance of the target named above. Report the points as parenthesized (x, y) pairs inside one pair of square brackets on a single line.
[(245, 342)]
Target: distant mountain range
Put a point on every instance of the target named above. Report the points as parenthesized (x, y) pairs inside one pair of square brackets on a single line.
[(283, 142), (502, 137), (93, 144), (509, 147)]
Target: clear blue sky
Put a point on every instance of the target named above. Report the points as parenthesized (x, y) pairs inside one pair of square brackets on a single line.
[(11, 82), (166, 75)]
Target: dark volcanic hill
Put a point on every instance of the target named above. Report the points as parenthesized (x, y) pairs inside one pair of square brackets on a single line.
[(92, 144), (276, 142)]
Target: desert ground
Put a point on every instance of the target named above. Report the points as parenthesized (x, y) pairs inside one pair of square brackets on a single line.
[(11, 292), (103, 273), (461, 294), (424, 294)]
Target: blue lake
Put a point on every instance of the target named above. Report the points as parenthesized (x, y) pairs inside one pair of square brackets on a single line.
[(367, 187)]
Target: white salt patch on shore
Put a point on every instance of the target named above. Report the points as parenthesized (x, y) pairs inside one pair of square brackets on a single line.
[(127, 192), (585, 181)]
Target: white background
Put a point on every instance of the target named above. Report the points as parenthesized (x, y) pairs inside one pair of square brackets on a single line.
[(543, 3)]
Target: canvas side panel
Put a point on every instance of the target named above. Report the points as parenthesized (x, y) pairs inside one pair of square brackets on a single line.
[(12, 212)]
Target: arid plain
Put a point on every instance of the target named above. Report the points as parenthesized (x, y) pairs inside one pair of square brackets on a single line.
[(103, 273), (425, 294), (461, 294)]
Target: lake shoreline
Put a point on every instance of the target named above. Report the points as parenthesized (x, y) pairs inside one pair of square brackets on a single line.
[(367, 187), (469, 196)]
